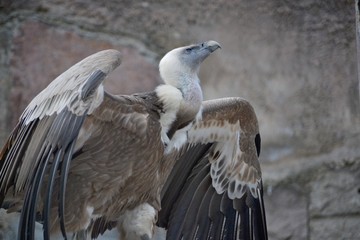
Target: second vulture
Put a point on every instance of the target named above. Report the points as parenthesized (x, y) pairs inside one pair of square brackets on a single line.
[(83, 160)]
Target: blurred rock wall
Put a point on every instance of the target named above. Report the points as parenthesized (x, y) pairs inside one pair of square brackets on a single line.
[(295, 61)]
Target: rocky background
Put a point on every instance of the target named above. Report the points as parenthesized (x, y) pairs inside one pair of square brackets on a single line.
[(295, 61)]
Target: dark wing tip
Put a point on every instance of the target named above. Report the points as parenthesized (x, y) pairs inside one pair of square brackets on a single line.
[(92, 84), (199, 212), (258, 143)]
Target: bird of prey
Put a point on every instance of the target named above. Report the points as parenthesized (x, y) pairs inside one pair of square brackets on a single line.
[(81, 158)]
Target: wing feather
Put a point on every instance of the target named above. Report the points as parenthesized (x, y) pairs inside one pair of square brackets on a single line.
[(234, 163), (41, 146), (178, 227), (65, 90), (177, 179), (203, 213), (222, 194), (189, 230)]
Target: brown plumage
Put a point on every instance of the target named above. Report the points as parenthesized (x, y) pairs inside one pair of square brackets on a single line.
[(83, 158), (215, 190)]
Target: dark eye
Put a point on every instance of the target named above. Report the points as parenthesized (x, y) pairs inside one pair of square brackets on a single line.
[(188, 50)]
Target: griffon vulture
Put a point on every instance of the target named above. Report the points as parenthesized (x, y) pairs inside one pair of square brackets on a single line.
[(81, 158)]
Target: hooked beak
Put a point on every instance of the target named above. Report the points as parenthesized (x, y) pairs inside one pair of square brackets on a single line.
[(210, 45)]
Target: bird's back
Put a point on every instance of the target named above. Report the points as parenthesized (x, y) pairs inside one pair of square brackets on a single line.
[(117, 168)]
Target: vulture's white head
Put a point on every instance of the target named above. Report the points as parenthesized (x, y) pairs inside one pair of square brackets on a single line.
[(184, 62), (181, 95)]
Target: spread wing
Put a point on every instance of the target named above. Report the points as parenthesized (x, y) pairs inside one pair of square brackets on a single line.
[(45, 137), (215, 188)]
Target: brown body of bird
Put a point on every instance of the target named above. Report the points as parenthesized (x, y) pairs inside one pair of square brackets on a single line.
[(81, 158)]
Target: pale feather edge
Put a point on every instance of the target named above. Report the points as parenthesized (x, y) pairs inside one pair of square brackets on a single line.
[(199, 134)]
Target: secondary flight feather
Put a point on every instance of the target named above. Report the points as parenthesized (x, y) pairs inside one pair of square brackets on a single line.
[(83, 159)]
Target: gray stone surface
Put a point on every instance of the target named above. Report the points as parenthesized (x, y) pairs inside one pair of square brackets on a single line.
[(336, 192), (337, 228), (323, 190), (5, 82), (295, 61), (286, 209)]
